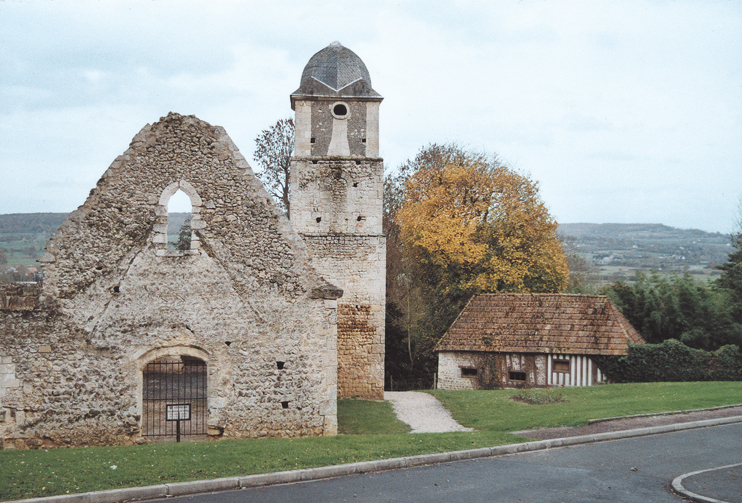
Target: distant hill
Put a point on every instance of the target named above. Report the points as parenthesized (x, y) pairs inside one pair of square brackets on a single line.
[(48, 223), (618, 251), (31, 223), (615, 251)]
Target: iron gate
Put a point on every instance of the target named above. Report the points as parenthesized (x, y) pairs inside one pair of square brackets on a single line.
[(174, 398)]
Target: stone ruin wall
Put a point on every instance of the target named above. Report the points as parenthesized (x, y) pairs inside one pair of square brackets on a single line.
[(242, 299), (358, 263), (336, 206)]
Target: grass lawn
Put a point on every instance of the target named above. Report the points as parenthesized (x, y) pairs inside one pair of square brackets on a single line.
[(364, 417), (33, 473), (494, 411)]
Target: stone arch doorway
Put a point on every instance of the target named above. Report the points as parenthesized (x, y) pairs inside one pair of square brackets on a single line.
[(174, 398)]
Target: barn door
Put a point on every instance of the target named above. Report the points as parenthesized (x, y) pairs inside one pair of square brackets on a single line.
[(174, 398)]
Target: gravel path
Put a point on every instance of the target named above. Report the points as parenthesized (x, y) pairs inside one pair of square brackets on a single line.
[(422, 411)]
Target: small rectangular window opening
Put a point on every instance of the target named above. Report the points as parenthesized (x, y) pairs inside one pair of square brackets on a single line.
[(560, 365), (468, 372), (310, 141), (279, 365), (517, 376), (284, 405), (363, 140)]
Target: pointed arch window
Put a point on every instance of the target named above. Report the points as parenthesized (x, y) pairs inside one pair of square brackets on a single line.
[(177, 236), (179, 217)]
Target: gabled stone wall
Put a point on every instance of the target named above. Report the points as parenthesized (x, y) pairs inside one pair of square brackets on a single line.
[(243, 298)]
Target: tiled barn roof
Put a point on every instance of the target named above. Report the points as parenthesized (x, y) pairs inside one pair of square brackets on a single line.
[(541, 323)]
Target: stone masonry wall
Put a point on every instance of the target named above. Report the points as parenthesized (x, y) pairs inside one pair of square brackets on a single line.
[(358, 263), (315, 123), (323, 122), (336, 205), (330, 195), (449, 369), (243, 298)]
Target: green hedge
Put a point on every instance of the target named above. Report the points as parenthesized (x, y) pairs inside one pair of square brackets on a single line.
[(672, 361)]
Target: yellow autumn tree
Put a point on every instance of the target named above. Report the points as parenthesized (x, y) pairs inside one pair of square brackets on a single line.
[(470, 225)]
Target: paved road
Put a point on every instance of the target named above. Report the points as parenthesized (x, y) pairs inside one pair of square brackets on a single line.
[(633, 470)]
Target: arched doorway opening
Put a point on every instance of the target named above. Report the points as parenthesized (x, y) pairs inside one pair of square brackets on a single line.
[(174, 398)]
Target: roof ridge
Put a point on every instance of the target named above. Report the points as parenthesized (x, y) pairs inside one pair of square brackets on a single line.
[(564, 323)]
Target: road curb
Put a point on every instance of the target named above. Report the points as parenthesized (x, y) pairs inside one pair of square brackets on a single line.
[(326, 472), (678, 488)]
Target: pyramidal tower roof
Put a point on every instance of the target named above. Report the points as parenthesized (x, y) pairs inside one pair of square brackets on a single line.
[(335, 71)]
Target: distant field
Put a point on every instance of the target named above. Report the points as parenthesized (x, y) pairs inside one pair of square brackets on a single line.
[(24, 235), (20, 249), (618, 251)]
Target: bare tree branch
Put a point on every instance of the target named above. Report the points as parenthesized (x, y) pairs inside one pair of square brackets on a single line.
[(273, 149)]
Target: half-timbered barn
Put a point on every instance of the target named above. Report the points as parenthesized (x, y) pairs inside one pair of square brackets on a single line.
[(531, 340)]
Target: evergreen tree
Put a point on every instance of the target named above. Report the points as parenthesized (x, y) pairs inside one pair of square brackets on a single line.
[(184, 236)]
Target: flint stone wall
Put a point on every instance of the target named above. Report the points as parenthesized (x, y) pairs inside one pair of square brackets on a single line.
[(450, 364), (244, 297), (336, 205)]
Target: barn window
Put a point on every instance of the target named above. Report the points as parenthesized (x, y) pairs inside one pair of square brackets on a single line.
[(560, 365), (468, 372), (517, 376)]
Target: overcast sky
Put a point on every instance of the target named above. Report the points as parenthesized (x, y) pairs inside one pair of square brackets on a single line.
[(626, 112)]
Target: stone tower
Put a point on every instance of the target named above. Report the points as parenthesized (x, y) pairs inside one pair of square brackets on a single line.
[(336, 193)]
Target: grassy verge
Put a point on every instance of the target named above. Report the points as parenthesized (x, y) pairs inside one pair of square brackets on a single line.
[(26, 474), (363, 417), (494, 411)]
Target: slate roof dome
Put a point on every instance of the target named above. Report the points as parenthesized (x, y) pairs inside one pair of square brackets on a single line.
[(335, 71)]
